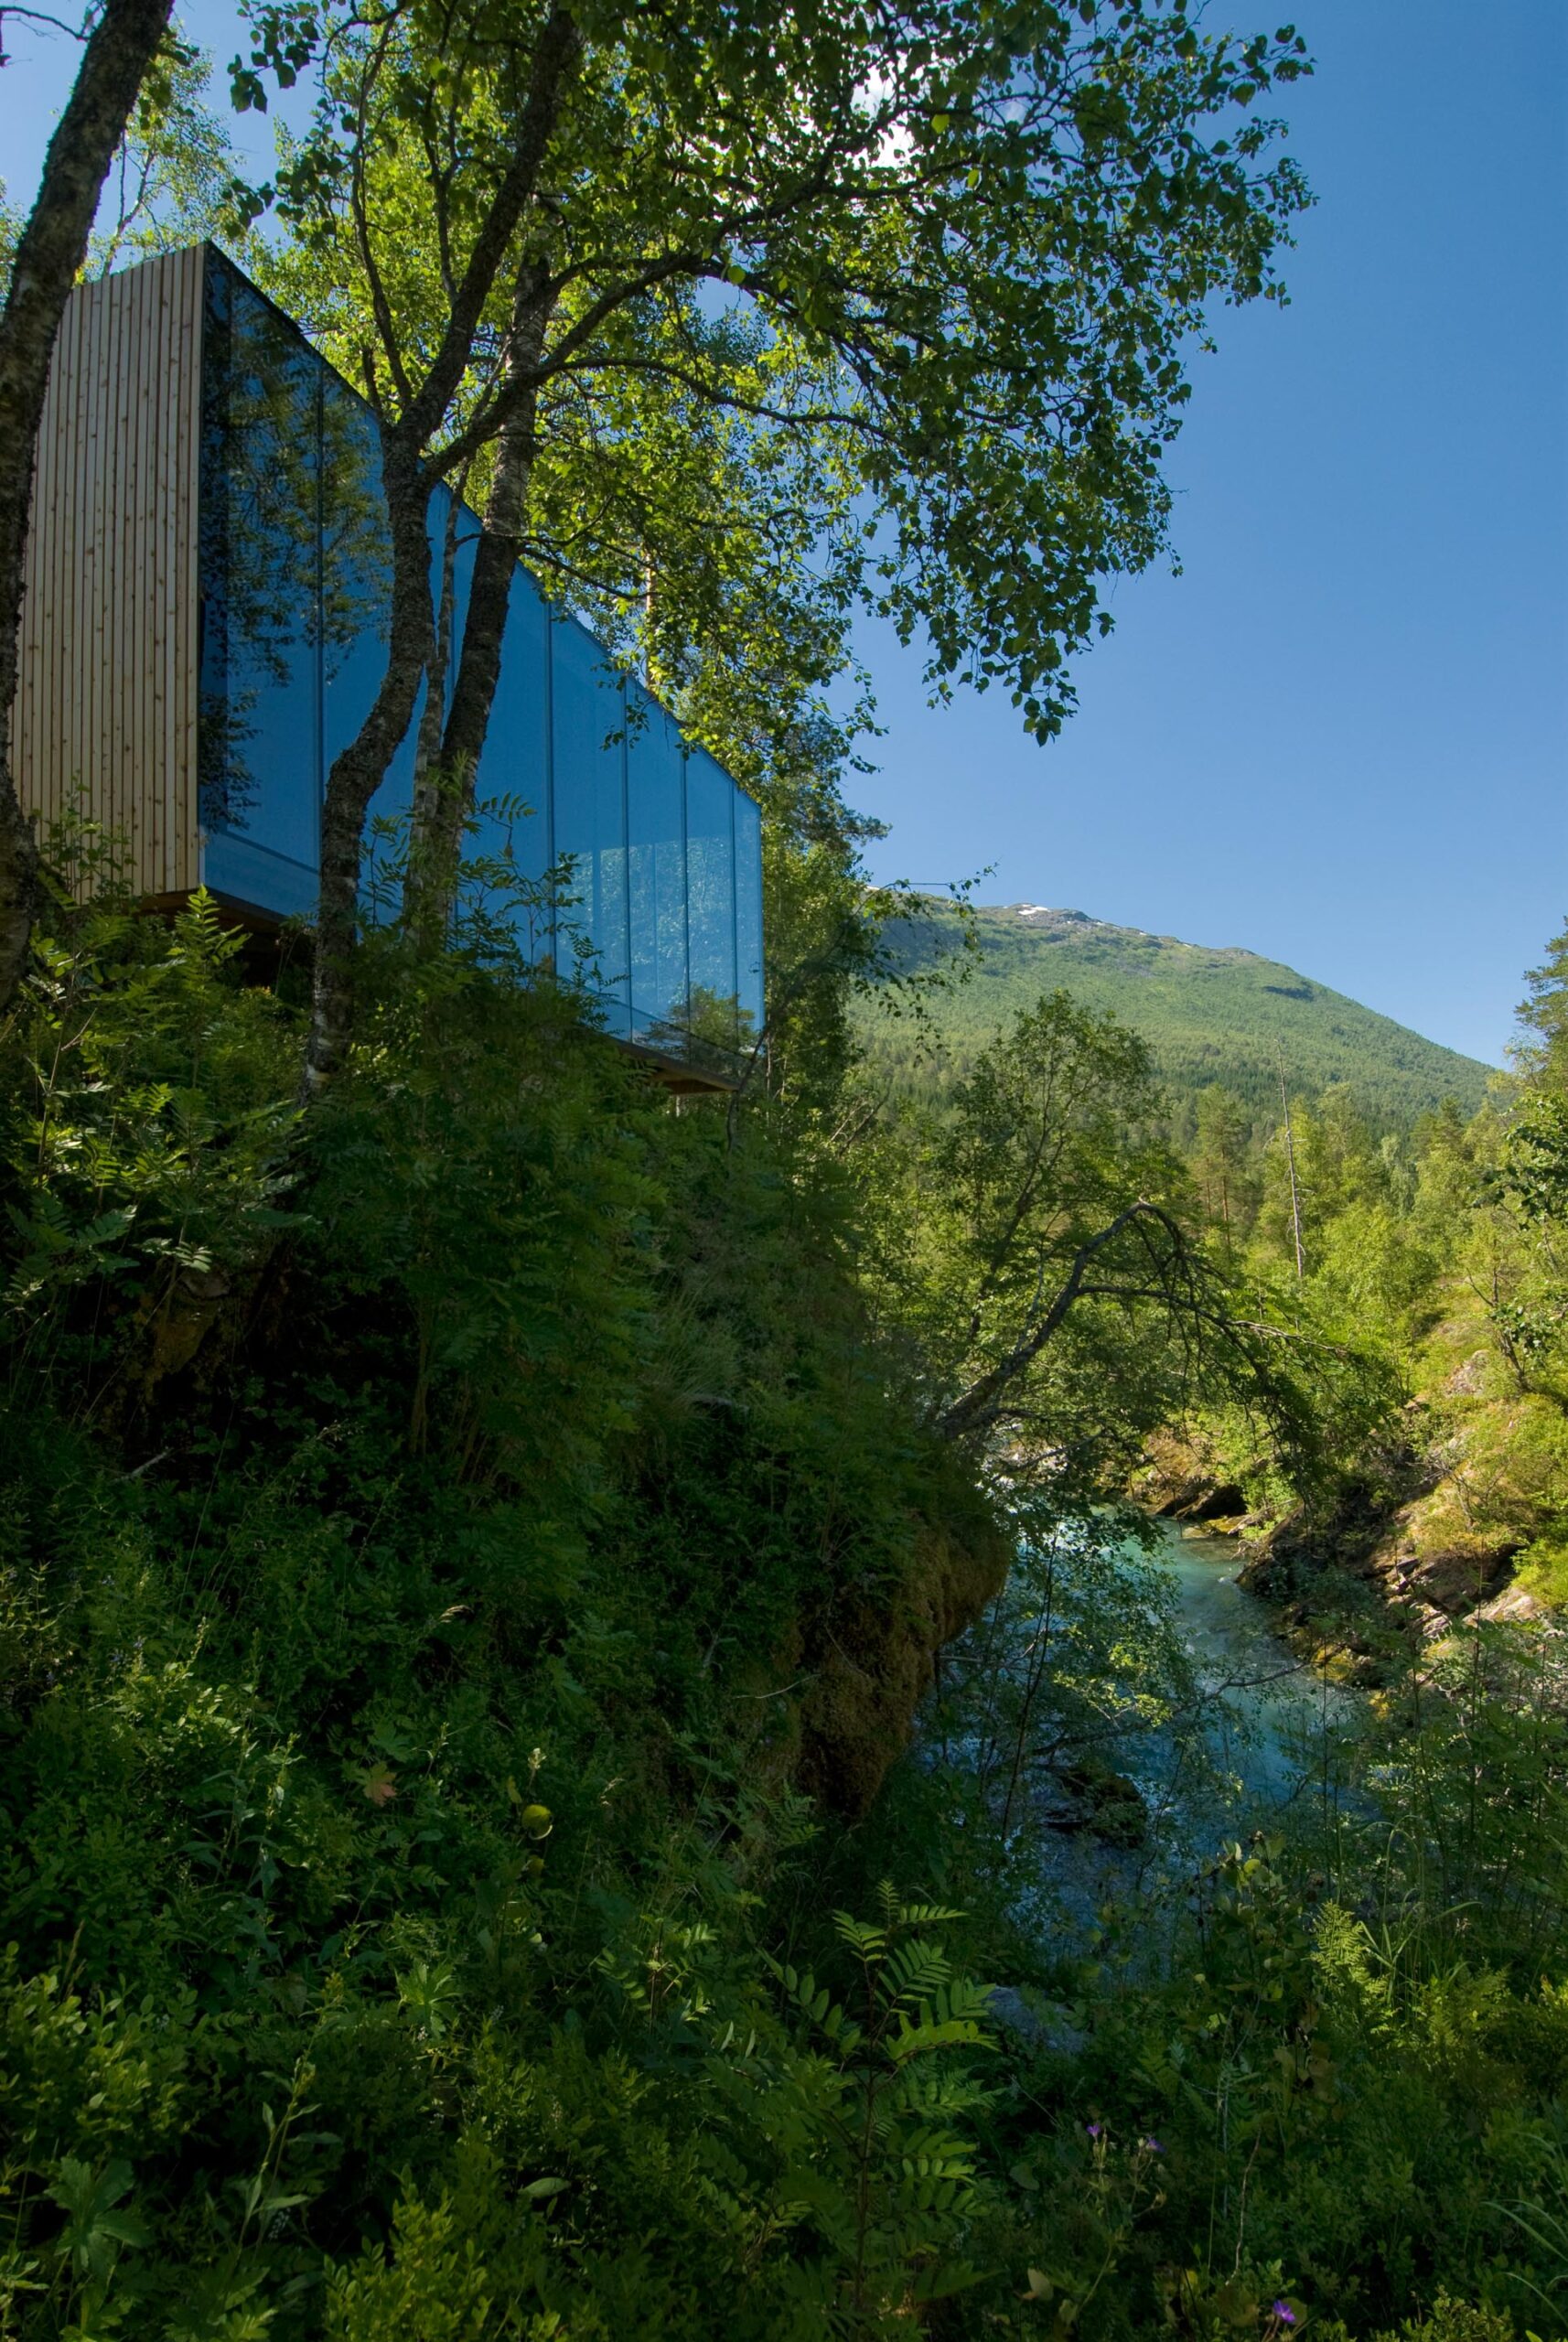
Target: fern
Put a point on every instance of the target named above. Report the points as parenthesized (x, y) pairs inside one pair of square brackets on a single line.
[(875, 2114)]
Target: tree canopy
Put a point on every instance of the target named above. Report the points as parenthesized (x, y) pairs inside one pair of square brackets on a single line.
[(890, 305)]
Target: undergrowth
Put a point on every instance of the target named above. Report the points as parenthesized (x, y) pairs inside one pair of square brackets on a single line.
[(438, 1900)]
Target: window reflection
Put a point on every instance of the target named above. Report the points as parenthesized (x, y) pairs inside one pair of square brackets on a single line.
[(748, 914), (710, 918), (356, 590), (296, 583), (587, 730), (260, 548), (656, 827), (512, 793)]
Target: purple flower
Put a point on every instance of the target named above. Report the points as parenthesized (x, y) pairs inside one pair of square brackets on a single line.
[(1093, 2130), (1150, 2146), (1284, 2312)]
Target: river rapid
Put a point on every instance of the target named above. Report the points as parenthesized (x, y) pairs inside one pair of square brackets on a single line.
[(1274, 1720), (1270, 1735)]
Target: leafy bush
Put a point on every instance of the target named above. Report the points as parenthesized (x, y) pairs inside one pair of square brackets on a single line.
[(441, 1546)]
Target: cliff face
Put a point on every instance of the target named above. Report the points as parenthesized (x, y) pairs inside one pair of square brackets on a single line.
[(1360, 1588), (1186, 1477), (871, 1662)]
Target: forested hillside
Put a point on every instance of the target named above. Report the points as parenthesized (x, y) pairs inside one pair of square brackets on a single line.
[(1207, 1013)]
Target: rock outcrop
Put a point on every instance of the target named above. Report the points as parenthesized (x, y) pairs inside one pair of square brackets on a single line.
[(1429, 1536), (870, 1665)]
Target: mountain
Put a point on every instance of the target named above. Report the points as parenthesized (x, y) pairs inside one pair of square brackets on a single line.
[(1210, 1014)]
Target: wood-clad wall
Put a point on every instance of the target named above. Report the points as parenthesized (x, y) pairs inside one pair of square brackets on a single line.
[(107, 697)]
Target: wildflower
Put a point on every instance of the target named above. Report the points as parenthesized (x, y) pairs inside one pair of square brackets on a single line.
[(1093, 2129), (1284, 2312), (1150, 2146)]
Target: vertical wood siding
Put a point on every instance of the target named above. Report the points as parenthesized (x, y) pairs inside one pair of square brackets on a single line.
[(107, 696)]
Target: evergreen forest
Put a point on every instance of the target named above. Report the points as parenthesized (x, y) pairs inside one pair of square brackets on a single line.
[(599, 1740), (1209, 1016)]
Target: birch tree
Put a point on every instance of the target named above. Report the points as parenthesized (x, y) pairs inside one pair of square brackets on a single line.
[(949, 259)]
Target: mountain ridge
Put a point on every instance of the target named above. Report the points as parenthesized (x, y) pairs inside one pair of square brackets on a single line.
[(1210, 1012)]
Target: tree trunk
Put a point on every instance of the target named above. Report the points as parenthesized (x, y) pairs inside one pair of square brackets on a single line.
[(359, 769), (422, 894), (53, 246), (975, 1410), (449, 803)]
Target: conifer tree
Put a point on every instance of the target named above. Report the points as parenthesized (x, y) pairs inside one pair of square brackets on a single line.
[(1546, 1010), (1218, 1163)]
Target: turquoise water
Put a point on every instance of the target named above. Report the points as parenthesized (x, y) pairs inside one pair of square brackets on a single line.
[(1275, 1720), (1270, 1735)]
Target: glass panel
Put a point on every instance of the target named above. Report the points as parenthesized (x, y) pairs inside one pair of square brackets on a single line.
[(386, 847), (710, 866), (296, 600), (656, 822), (513, 792), (356, 571), (445, 508), (748, 913), (260, 550), (588, 805)]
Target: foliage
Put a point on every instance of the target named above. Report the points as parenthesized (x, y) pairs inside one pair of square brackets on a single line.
[(1300, 2086), (1052, 1254), (469, 1559), (173, 179), (1077, 1671), (146, 1134), (392, 1769), (1546, 1012), (415, 1921), (10, 229), (824, 174), (739, 326)]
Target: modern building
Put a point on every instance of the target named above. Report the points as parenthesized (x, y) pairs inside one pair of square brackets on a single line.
[(204, 626)]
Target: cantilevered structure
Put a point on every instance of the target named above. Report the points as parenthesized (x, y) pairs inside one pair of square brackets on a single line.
[(205, 627)]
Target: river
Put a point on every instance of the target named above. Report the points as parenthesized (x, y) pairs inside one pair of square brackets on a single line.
[(1270, 1733), (1274, 1718)]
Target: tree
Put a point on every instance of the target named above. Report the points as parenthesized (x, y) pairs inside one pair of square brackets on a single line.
[(1447, 1175), (938, 268), (1220, 1158), (1546, 1012), (120, 52), (172, 180), (1057, 1297)]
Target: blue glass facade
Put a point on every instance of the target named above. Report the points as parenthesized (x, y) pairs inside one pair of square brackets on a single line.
[(582, 767)]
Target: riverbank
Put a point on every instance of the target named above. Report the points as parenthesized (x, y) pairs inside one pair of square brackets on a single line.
[(1273, 1699), (1399, 1561)]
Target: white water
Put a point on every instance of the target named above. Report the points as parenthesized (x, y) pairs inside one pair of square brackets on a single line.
[(1270, 1726), (1272, 1714)]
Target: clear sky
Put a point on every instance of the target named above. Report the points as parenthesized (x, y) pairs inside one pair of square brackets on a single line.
[(1341, 737)]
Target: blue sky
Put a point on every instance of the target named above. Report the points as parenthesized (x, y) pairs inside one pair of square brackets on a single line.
[(1340, 736)]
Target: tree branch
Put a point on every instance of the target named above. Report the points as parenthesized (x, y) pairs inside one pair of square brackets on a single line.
[(977, 1409)]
